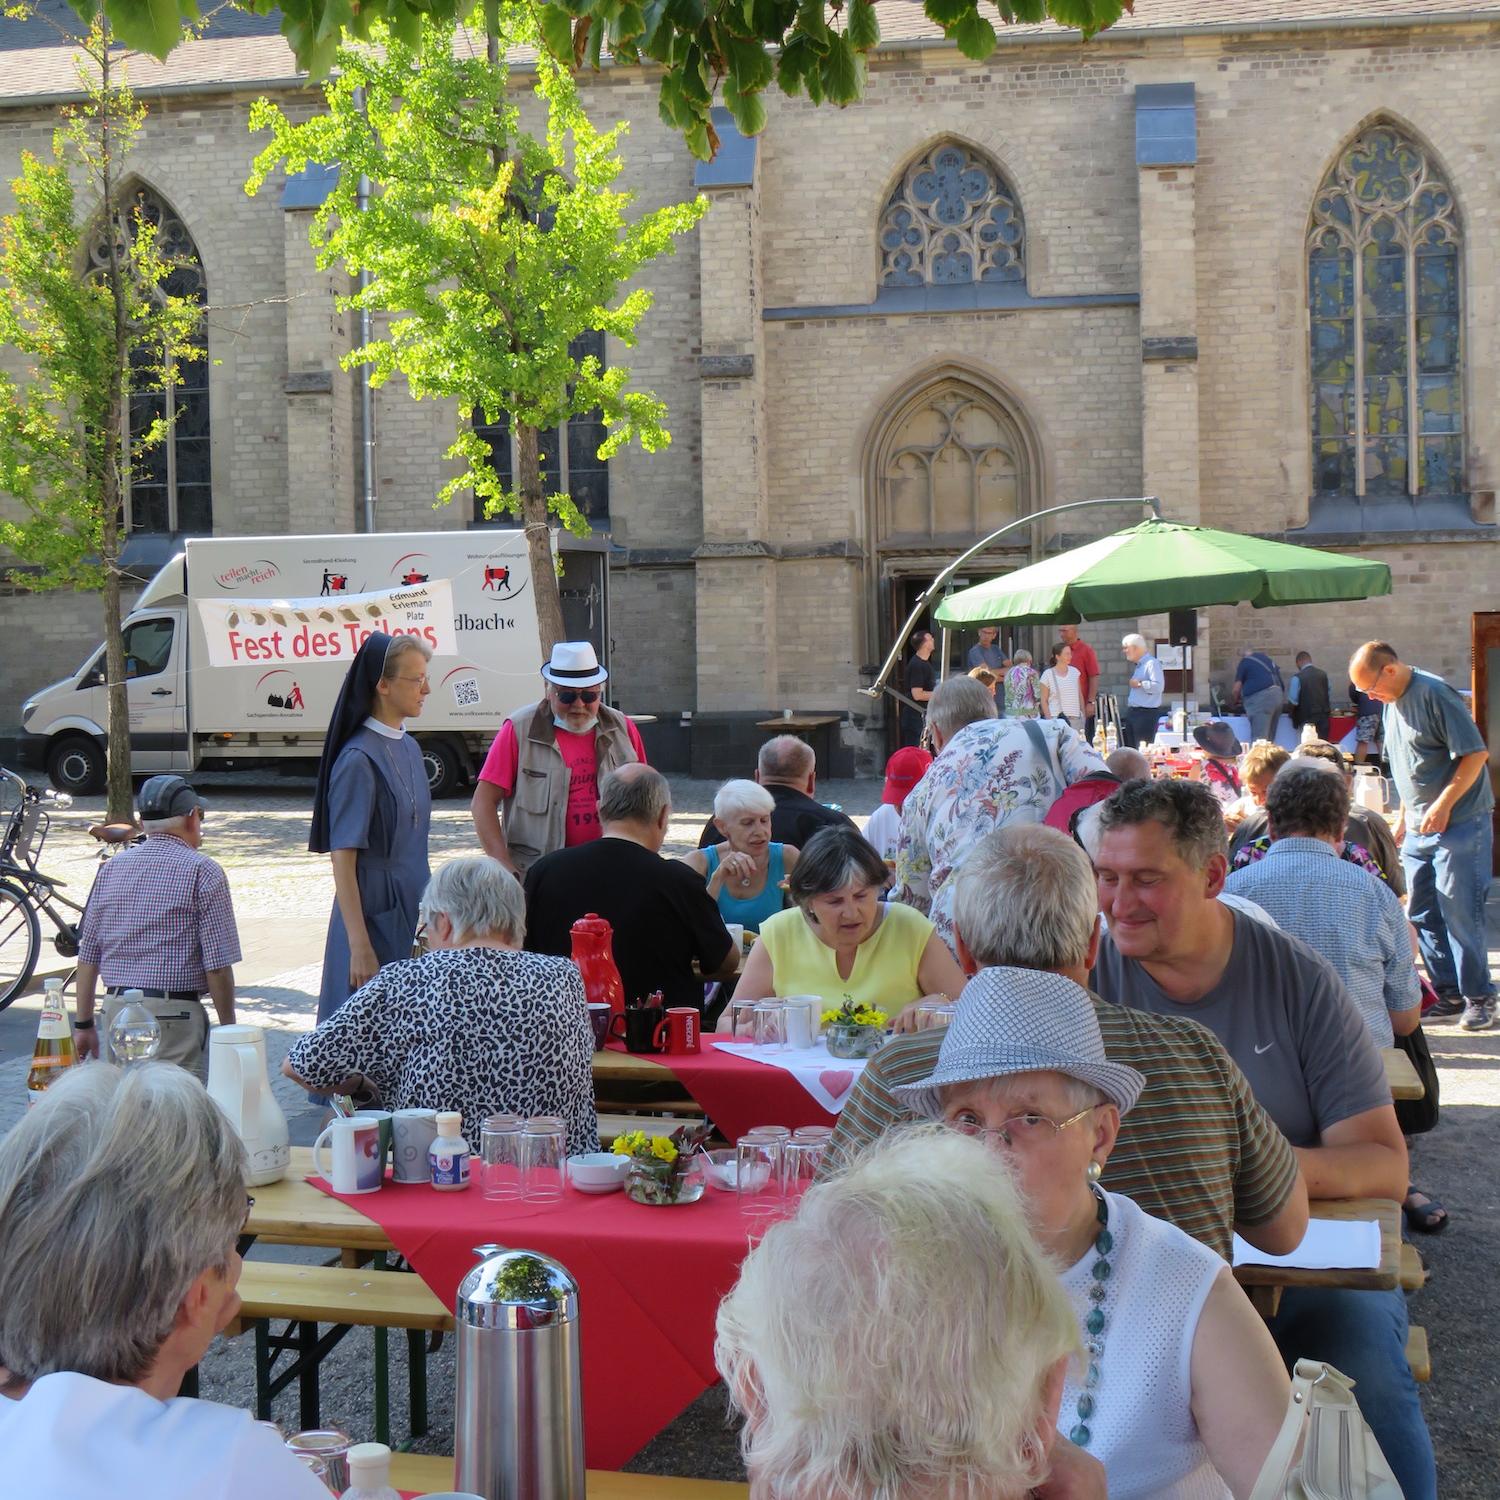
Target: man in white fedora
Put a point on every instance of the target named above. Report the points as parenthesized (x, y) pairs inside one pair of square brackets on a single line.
[(539, 787)]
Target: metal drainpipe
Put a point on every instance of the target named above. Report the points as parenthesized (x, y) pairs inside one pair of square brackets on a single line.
[(366, 391)]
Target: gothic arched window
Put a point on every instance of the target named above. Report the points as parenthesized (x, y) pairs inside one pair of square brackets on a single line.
[(951, 220), (170, 483), (1385, 324)]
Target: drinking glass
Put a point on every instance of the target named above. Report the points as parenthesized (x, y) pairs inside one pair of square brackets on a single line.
[(500, 1157), (934, 1014), (770, 1024), (803, 1158), (781, 1138), (821, 1133), (544, 1156), (331, 1449), (742, 1020), (134, 1034), (757, 1176)]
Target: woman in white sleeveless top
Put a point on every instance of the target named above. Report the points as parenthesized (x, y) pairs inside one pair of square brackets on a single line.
[(1182, 1392)]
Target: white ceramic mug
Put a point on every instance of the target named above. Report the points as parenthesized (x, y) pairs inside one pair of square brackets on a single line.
[(414, 1131), (357, 1163)]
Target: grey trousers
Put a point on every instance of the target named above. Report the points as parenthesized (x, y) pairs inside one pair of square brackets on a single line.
[(184, 1031), (1263, 709)]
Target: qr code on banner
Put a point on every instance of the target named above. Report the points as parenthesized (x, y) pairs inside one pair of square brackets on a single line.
[(466, 692)]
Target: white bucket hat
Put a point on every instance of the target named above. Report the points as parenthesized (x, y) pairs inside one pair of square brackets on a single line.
[(1022, 1021), (574, 664)]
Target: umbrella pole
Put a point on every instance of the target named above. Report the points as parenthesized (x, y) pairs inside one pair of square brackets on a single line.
[(877, 687)]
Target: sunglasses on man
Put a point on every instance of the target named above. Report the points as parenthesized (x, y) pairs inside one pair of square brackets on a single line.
[(570, 696)]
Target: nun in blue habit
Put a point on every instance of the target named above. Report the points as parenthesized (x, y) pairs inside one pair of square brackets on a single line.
[(371, 814)]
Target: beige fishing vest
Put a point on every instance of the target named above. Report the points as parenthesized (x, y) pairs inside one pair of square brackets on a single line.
[(534, 816)]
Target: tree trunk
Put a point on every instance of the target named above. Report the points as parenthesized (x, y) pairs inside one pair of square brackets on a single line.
[(538, 537), (120, 803)]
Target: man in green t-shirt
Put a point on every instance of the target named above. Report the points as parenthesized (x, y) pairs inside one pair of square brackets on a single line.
[(1438, 761)]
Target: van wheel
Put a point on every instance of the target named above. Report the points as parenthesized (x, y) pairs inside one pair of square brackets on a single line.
[(76, 764), (445, 772)]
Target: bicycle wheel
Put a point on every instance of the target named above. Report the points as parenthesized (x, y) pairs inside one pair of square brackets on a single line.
[(20, 942)]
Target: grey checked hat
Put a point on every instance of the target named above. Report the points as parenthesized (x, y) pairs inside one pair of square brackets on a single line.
[(164, 797), (1022, 1021)]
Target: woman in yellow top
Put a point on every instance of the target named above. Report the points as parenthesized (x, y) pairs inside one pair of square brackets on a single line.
[(841, 943)]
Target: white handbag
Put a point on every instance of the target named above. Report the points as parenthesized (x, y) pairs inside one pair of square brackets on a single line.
[(1324, 1450)]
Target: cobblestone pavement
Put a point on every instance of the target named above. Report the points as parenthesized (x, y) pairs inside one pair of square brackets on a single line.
[(282, 898)]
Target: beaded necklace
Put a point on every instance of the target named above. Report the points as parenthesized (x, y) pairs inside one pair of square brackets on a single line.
[(1093, 1324)]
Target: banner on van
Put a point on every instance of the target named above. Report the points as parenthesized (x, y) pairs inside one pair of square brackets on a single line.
[(257, 632)]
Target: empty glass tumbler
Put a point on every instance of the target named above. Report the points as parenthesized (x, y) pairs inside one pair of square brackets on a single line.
[(544, 1158), (770, 1024), (500, 1157)]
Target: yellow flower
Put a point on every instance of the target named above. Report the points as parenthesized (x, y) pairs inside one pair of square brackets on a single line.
[(663, 1149), (630, 1143)]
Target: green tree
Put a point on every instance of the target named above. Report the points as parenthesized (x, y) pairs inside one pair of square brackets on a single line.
[(87, 332), (699, 44), (490, 251)]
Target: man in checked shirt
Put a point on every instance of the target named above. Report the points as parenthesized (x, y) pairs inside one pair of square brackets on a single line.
[(160, 920)]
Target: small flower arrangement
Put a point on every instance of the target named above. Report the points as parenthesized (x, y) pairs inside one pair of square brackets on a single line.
[(853, 1030), (851, 1013), (661, 1166)]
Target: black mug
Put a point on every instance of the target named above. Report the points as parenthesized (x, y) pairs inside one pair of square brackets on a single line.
[(638, 1025)]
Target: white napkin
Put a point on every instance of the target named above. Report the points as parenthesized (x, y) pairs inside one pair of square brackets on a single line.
[(830, 1080), (1328, 1245)]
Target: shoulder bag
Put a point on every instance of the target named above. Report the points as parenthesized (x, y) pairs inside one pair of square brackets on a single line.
[(1324, 1450), (1417, 1116)]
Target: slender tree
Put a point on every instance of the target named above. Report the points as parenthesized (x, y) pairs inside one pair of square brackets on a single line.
[(86, 337), (490, 251)]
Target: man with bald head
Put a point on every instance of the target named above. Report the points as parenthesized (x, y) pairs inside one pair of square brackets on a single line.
[(663, 918), (788, 770), (1439, 761)]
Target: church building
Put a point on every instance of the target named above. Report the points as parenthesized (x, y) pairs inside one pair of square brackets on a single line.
[(1238, 255)]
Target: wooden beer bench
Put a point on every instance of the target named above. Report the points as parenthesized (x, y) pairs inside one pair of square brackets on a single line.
[(422, 1473)]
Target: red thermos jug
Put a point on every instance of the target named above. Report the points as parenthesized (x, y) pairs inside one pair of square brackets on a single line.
[(594, 953)]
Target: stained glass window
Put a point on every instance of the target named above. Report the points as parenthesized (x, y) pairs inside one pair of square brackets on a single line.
[(951, 220), (569, 452), (1384, 306), (170, 483)]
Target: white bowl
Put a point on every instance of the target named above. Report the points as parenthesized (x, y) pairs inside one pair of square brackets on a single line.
[(598, 1171)]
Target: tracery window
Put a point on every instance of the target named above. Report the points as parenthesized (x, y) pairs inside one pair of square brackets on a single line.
[(1385, 311), (569, 452), (170, 484), (951, 220)]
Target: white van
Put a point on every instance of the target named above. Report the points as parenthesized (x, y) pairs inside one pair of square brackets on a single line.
[(186, 713)]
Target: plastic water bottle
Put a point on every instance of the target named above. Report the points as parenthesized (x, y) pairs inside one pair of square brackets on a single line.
[(134, 1034), (370, 1473)]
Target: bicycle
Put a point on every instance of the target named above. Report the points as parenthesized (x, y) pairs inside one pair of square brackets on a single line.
[(26, 891)]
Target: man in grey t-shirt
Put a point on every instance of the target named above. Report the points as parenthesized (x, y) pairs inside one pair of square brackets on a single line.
[(1440, 766), (1284, 1017)]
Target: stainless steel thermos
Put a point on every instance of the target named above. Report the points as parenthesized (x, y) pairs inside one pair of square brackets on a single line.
[(519, 1422)]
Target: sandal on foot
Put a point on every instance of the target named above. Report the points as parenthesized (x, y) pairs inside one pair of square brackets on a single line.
[(1429, 1217)]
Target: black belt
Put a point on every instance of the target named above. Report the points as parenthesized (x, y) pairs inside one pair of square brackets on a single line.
[(121, 989)]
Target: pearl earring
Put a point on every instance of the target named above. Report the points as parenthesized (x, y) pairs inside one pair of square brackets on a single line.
[(1095, 1171)]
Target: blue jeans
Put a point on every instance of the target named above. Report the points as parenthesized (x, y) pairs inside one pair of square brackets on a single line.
[(1363, 1334), (1448, 876)]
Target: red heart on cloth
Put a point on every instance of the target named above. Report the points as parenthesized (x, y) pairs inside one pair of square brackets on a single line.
[(837, 1081)]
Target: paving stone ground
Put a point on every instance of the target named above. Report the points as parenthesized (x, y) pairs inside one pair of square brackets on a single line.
[(282, 898)]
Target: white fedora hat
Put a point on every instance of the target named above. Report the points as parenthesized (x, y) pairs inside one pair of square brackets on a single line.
[(574, 664)]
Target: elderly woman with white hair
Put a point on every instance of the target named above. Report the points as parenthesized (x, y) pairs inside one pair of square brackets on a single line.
[(746, 871), (842, 943), (122, 1199), (475, 1024), (904, 1338), (1183, 1391)]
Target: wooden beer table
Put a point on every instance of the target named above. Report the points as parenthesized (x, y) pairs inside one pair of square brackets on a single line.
[(1264, 1284), (420, 1473), (1401, 1074)]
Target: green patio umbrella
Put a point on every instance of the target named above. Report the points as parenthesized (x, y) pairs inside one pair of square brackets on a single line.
[(1159, 566)]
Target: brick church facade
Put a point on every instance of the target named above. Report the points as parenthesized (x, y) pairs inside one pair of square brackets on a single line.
[(1240, 256)]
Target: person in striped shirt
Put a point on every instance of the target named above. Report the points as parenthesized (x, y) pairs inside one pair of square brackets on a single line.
[(1196, 1150)]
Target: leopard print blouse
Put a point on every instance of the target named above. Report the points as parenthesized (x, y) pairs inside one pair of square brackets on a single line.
[(479, 1030)]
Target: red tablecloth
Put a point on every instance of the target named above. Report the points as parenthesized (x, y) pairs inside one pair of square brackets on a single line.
[(737, 1094), (650, 1281)]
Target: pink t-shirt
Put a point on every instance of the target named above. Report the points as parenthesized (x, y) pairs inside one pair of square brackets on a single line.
[(582, 822)]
